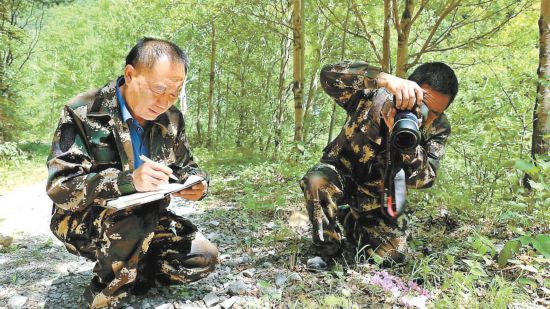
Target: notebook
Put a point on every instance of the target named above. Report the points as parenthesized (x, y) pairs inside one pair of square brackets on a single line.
[(139, 198)]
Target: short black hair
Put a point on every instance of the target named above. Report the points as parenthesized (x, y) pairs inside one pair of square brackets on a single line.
[(437, 75), (147, 51)]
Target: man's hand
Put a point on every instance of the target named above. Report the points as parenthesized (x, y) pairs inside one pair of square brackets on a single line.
[(149, 176), (406, 92), (194, 193)]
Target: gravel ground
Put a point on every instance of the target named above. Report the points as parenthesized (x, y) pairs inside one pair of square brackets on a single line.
[(263, 264), (37, 272)]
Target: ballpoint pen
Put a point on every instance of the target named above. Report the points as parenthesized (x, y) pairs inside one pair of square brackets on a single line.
[(145, 159)]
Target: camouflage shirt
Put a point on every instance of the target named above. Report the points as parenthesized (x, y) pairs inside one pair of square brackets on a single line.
[(359, 151), (91, 158)]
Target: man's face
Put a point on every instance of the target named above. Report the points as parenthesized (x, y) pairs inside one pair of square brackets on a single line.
[(151, 92), (435, 101)]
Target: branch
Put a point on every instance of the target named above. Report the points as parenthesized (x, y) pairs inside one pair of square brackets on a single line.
[(476, 38), (34, 42), (367, 35), (339, 25), (424, 48), (396, 16)]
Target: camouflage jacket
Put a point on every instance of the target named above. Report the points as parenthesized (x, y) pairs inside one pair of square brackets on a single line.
[(359, 151), (91, 158)]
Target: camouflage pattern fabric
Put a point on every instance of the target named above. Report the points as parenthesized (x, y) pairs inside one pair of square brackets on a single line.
[(91, 161), (352, 166)]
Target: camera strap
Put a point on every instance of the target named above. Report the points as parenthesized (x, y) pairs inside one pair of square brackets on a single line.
[(394, 193)]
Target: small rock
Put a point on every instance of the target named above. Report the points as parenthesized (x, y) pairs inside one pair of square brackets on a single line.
[(248, 273), (211, 299), (165, 306), (267, 265), (214, 223), (294, 277), (280, 279), (236, 288), (239, 261), (270, 225), (17, 302), (316, 263), (5, 241), (228, 303)]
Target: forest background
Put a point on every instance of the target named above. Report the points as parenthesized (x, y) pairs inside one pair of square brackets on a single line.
[(257, 117)]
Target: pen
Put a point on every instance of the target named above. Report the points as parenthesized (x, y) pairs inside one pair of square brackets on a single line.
[(145, 159)]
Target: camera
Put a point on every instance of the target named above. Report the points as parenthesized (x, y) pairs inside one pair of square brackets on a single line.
[(406, 127)]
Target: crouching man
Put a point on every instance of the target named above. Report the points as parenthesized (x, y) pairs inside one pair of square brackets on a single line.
[(95, 156), (343, 193)]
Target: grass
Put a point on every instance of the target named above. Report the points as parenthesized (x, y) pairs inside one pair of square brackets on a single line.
[(22, 164)]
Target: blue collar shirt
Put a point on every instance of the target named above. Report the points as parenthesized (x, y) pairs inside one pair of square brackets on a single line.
[(136, 130)]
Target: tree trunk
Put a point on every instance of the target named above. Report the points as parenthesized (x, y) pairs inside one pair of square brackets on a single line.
[(279, 114), (211, 85), (386, 52), (199, 107), (541, 123), (298, 60), (314, 81), (403, 31), (218, 106)]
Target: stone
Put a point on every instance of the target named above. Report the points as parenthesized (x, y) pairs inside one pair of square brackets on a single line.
[(228, 303), (280, 279), (237, 288), (211, 299), (238, 261), (5, 241), (165, 306), (17, 302), (267, 265), (248, 273), (316, 263), (294, 277)]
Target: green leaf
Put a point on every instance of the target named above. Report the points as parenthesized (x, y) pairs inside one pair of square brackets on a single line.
[(526, 239), (536, 185), (542, 245), (507, 251), (475, 268), (528, 281), (526, 166)]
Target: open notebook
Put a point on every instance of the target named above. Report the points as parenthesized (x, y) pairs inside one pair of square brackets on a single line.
[(145, 197)]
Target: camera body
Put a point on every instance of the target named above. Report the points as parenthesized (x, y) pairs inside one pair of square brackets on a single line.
[(406, 133)]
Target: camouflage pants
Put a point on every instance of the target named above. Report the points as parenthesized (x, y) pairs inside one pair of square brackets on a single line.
[(336, 210), (134, 249)]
